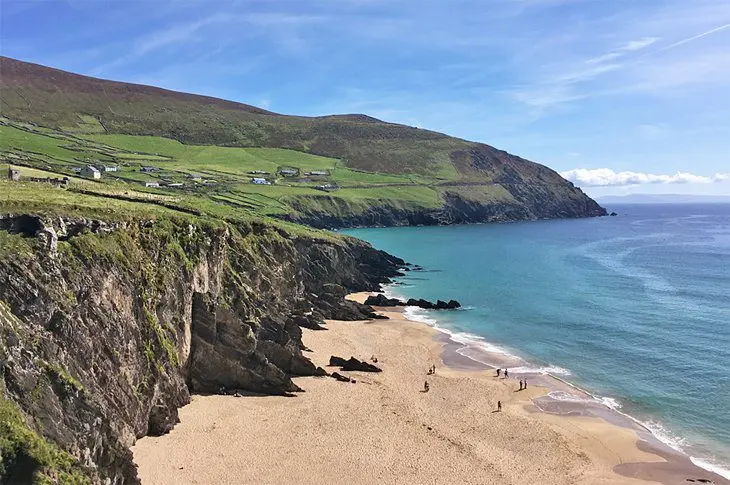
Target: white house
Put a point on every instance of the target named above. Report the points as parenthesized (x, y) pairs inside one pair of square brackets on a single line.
[(91, 172), (288, 171), (112, 168), (260, 181), (151, 184)]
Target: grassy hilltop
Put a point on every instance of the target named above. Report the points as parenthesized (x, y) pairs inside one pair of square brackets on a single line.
[(384, 173)]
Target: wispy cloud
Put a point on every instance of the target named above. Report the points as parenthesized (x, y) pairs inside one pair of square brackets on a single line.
[(605, 177), (695, 37), (630, 46), (176, 34), (638, 64), (185, 33)]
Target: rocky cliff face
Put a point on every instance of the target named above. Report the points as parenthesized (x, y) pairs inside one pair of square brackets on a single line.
[(106, 328), (528, 203)]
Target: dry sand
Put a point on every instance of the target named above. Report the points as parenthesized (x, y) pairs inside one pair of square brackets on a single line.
[(383, 429)]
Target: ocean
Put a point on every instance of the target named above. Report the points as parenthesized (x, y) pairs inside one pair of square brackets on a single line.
[(633, 308)]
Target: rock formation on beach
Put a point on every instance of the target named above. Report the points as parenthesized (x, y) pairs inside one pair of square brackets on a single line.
[(353, 364)]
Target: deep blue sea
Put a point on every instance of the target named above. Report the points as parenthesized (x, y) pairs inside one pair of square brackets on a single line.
[(634, 308)]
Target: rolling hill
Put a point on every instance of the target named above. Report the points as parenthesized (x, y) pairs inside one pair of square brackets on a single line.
[(369, 172)]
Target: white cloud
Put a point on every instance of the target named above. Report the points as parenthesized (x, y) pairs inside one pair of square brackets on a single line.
[(695, 37), (635, 45), (604, 177), (630, 46)]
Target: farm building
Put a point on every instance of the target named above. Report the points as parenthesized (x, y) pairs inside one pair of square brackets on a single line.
[(149, 169), (317, 172), (288, 171), (193, 177), (91, 172), (111, 168), (13, 174), (327, 187), (174, 185), (260, 181), (258, 172), (152, 184)]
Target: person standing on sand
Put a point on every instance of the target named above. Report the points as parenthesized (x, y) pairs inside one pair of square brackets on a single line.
[(520, 384), (506, 374), (499, 406), (525, 383), (425, 386)]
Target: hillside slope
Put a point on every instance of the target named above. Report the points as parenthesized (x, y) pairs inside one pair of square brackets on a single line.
[(454, 180)]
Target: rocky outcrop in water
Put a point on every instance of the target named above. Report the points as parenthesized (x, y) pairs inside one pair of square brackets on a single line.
[(384, 301), (106, 328)]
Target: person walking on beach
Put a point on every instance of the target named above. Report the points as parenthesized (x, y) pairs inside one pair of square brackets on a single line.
[(520, 384), (425, 386), (499, 406), (525, 383), (506, 374), (499, 372)]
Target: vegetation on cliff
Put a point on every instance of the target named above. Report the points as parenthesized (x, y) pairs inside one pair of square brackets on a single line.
[(26, 457)]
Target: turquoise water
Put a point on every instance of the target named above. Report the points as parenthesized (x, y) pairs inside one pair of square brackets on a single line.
[(634, 308)]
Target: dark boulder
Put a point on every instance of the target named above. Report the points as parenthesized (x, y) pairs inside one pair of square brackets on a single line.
[(353, 364), (377, 316), (357, 365), (421, 303), (439, 305), (382, 300), (337, 361), (340, 377), (320, 372), (451, 305)]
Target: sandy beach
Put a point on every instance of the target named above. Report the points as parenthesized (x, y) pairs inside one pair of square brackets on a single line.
[(384, 429)]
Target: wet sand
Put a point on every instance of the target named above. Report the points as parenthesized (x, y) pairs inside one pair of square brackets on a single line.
[(384, 429)]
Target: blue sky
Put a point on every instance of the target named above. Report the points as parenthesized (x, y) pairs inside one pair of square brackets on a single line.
[(621, 96)]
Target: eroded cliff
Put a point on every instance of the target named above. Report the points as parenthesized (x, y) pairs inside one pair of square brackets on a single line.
[(106, 328)]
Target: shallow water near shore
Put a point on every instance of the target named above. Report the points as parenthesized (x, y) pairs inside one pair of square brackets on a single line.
[(633, 308)]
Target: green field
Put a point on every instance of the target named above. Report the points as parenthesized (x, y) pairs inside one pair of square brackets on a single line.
[(229, 191), (216, 179)]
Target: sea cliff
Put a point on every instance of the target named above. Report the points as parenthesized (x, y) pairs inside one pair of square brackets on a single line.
[(107, 327)]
